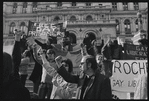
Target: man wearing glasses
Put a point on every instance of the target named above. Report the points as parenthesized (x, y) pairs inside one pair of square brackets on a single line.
[(91, 84)]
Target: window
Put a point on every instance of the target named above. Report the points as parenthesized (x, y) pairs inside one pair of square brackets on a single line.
[(22, 26), (88, 4), (72, 18), (117, 27), (34, 6), (73, 3), (136, 6), (100, 5), (127, 26), (72, 38), (89, 18), (14, 8), (12, 27), (137, 25), (114, 5), (59, 4), (125, 6), (24, 7)]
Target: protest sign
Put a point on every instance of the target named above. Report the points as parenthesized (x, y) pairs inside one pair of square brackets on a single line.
[(39, 29), (135, 52), (126, 73)]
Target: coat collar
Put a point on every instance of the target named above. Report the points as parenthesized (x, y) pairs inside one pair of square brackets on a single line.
[(89, 85)]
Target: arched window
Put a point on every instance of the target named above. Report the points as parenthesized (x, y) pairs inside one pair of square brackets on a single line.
[(14, 8), (73, 38), (56, 19), (137, 25), (24, 7), (34, 6), (89, 18), (22, 26), (12, 27), (127, 26), (117, 27), (72, 18)]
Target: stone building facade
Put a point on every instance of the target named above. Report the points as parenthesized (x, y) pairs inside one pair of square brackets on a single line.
[(98, 18)]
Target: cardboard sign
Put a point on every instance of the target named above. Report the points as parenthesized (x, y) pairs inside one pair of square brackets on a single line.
[(38, 29), (126, 73), (135, 52)]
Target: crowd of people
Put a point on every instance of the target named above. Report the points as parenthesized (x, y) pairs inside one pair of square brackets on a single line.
[(53, 77)]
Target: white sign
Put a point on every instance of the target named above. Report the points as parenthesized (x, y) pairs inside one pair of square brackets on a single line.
[(126, 74)]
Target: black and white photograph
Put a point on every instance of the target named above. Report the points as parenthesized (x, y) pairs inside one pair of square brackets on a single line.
[(75, 50)]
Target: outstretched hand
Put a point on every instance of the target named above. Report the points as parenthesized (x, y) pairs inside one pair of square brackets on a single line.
[(58, 60)]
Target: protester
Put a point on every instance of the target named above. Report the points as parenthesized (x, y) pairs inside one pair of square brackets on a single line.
[(143, 40), (25, 62), (87, 41), (45, 87), (91, 84), (35, 76), (61, 89), (12, 86), (116, 50), (23, 44)]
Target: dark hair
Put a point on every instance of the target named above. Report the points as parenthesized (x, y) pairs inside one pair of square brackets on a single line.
[(69, 62), (51, 51), (92, 60)]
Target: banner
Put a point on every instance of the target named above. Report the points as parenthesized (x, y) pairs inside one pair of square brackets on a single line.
[(135, 52), (39, 29), (126, 73)]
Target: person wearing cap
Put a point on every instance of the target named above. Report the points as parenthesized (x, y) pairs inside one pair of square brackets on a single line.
[(45, 87), (90, 83), (61, 88)]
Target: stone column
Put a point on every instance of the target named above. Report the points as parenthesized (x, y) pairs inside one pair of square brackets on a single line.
[(19, 8), (29, 7), (133, 25), (4, 7), (122, 27), (7, 27)]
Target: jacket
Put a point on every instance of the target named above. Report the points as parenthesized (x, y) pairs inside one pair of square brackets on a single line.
[(14, 88), (98, 87), (61, 88)]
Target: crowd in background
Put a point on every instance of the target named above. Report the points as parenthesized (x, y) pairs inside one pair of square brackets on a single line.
[(52, 81)]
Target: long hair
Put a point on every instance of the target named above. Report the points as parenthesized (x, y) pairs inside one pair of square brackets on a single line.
[(69, 62), (92, 60), (7, 66)]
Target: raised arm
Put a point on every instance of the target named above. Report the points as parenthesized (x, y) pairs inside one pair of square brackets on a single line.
[(35, 54), (50, 67), (16, 53)]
